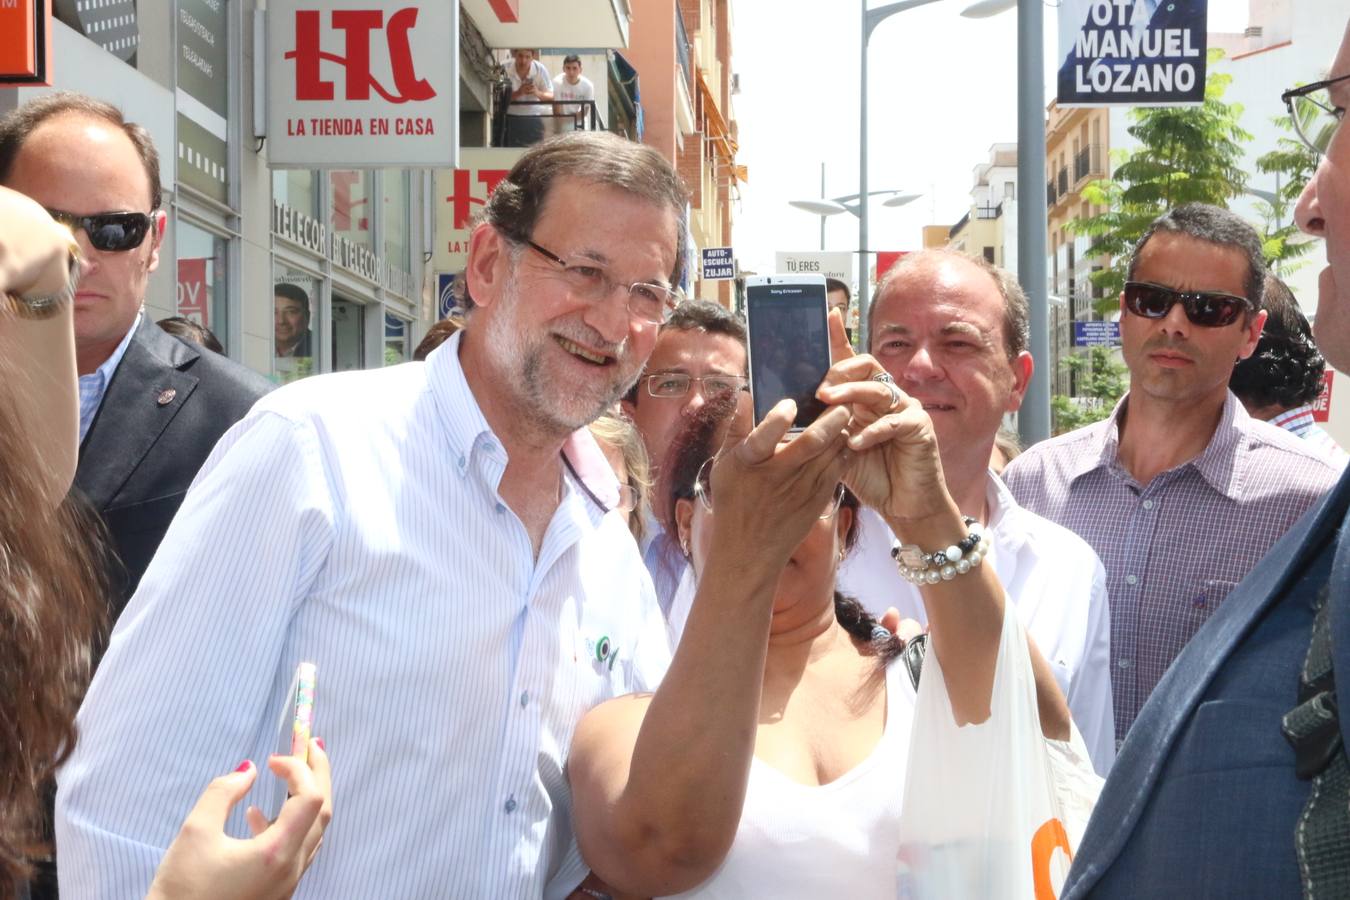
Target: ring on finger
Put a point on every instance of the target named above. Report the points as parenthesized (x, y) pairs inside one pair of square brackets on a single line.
[(886, 379)]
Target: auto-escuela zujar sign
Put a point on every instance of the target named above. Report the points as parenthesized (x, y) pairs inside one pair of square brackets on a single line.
[(362, 83)]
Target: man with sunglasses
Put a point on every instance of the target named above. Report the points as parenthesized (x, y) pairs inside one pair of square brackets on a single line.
[(151, 406), (1234, 780), (699, 353), (1179, 457)]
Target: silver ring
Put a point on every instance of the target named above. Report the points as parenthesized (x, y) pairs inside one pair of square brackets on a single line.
[(886, 379)]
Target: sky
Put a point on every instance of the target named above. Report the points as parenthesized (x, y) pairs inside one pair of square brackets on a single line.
[(942, 89)]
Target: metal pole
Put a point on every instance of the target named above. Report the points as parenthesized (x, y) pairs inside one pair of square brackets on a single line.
[(864, 295), (1033, 421), (822, 196)]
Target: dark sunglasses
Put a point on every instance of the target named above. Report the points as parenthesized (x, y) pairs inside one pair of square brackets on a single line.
[(1208, 309), (112, 232)]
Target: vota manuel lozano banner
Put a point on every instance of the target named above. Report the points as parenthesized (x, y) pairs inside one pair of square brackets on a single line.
[(1131, 52)]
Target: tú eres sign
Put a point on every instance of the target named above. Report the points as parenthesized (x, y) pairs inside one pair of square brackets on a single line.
[(362, 83)]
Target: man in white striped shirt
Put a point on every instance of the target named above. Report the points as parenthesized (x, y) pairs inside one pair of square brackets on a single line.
[(415, 532)]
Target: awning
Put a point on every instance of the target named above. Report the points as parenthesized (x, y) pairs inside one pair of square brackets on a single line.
[(576, 24), (717, 130)]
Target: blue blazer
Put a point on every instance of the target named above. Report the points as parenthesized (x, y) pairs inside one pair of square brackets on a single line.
[(1202, 800)]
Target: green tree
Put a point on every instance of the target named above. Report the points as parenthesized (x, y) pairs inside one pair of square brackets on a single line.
[(1101, 382), (1188, 154), (1293, 163)]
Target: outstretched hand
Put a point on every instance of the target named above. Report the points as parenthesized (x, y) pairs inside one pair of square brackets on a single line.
[(895, 467), (204, 863)]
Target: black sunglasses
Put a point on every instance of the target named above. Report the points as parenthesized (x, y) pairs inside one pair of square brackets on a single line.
[(111, 232), (1208, 309)]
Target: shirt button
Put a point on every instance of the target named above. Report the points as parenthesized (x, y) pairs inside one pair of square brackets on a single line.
[(1148, 504), (510, 806), (1131, 579), (1124, 663), (524, 699)]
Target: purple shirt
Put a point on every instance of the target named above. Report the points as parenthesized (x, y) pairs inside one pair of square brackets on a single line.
[(1172, 549)]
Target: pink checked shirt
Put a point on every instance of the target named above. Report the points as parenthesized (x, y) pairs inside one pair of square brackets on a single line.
[(1174, 548)]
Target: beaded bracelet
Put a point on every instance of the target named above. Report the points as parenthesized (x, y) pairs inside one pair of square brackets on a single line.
[(918, 567)]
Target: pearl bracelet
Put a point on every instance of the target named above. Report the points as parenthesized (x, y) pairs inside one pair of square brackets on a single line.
[(918, 567)]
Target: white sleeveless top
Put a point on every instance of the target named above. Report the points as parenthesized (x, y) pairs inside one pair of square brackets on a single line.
[(834, 840)]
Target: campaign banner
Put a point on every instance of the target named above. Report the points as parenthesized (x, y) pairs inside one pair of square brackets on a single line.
[(362, 84), (829, 263), (886, 259), (1132, 52), (1321, 407), (194, 297)]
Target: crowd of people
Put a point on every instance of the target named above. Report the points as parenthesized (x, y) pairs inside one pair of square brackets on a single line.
[(582, 627)]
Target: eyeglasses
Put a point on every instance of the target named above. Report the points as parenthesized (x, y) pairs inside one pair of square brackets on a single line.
[(703, 490), (1318, 94), (111, 232), (628, 498), (1208, 309), (677, 384), (650, 303)]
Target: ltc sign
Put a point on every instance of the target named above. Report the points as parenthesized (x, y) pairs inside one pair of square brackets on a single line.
[(362, 83)]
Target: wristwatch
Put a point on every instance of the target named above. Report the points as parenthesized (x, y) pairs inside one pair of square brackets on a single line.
[(44, 306)]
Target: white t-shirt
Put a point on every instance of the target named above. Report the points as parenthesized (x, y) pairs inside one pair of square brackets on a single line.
[(1055, 581), (832, 840), (542, 85), (582, 90)]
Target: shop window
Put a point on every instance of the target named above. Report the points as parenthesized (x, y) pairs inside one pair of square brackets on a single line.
[(348, 335), (295, 303), (349, 213), (203, 294), (298, 189), (397, 187), (396, 349)]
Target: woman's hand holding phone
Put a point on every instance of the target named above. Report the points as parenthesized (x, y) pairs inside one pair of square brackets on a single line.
[(204, 863)]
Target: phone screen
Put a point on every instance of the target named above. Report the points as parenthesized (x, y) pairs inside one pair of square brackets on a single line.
[(789, 344)]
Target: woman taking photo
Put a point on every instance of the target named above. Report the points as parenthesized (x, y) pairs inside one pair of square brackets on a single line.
[(771, 760)]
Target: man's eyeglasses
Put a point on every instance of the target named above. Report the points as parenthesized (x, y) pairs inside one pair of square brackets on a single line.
[(1208, 309), (1305, 121), (112, 232), (703, 490), (650, 303), (628, 498), (677, 384)]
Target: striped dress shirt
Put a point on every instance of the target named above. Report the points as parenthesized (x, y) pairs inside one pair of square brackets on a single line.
[(1175, 547), (94, 385), (1300, 421), (353, 520)]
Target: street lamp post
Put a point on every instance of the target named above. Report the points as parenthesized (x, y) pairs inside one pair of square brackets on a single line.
[(850, 203), (871, 18), (1033, 420)]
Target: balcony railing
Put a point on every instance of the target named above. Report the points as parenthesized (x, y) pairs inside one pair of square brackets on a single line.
[(988, 212), (682, 48), (1087, 163), (1062, 181), (523, 123), (1050, 195)]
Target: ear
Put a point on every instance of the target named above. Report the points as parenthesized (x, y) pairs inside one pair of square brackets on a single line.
[(1253, 334), (489, 256), (1123, 310), (628, 407), (684, 521), (1022, 367), (843, 522), (157, 226)]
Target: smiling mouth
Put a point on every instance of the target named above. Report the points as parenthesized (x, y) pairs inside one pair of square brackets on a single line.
[(595, 359), (938, 407)]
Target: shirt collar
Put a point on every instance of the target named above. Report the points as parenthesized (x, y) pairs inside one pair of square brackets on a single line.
[(105, 371), (460, 413), (1003, 511), (1297, 420), (1101, 441)]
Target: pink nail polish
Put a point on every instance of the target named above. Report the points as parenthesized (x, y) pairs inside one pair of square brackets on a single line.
[(319, 741), (245, 766)]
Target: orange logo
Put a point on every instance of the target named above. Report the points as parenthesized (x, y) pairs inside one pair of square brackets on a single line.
[(1048, 837)]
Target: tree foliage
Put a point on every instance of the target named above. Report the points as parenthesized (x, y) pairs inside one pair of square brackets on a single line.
[(1293, 162), (1187, 154), (1101, 381)]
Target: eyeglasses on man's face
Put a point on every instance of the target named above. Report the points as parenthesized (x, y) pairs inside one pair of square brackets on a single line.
[(703, 490), (647, 302), (1208, 309), (111, 232), (1314, 133), (677, 384)]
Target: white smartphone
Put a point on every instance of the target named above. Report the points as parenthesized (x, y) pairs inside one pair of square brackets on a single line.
[(293, 730), (786, 316)]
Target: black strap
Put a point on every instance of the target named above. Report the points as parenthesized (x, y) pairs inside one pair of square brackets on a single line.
[(1322, 836)]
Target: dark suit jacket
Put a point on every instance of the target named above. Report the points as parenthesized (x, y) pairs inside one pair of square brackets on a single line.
[(1202, 800), (167, 404)]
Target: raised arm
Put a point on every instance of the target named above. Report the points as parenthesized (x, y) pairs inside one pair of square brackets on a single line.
[(658, 783), (897, 471)]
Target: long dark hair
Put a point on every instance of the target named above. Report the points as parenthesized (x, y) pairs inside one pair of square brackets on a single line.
[(52, 604), (696, 442)]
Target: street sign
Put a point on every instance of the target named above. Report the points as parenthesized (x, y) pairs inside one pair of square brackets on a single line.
[(1096, 334), (718, 264), (831, 264)]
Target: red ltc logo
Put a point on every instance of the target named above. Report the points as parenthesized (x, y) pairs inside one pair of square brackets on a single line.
[(358, 25)]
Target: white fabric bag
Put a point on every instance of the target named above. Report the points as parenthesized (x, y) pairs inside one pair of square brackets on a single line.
[(991, 810)]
